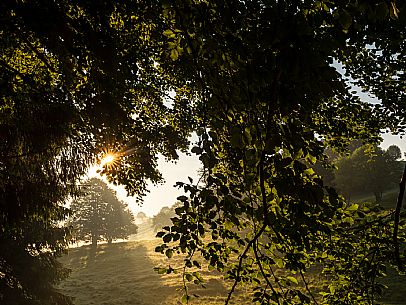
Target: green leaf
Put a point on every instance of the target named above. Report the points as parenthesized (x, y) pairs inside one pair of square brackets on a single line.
[(292, 279), (169, 253), (353, 207), (189, 277), (160, 270), (169, 33), (185, 298), (174, 54), (345, 19)]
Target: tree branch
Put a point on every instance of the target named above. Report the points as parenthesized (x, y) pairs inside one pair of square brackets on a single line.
[(237, 279), (307, 286), (263, 272)]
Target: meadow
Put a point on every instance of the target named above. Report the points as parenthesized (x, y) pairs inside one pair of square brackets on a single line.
[(122, 274)]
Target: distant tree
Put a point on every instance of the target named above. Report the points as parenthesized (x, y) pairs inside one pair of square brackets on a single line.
[(163, 218), (98, 214), (369, 169), (141, 216), (325, 168)]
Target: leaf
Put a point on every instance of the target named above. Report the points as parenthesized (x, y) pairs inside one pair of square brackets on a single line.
[(185, 298), (292, 279), (160, 234), (169, 253), (353, 207), (196, 150), (169, 33), (345, 19), (160, 270), (174, 54), (393, 11), (167, 238), (309, 171), (197, 264)]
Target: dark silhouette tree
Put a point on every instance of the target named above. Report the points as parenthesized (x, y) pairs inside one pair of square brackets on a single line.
[(99, 215), (71, 80)]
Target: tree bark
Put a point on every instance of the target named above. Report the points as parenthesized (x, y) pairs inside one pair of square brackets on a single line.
[(94, 240), (378, 197)]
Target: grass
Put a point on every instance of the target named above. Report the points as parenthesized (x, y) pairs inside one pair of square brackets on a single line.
[(396, 292), (122, 273), (389, 199)]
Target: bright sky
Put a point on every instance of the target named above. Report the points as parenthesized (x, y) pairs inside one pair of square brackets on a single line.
[(163, 194)]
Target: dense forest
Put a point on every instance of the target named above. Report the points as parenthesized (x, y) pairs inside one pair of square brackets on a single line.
[(268, 87)]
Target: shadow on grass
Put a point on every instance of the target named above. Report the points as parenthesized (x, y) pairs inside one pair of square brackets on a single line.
[(114, 274)]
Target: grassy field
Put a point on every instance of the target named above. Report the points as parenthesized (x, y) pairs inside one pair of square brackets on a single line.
[(389, 199), (122, 273)]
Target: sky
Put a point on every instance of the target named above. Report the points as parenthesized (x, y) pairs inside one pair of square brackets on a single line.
[(162, 194), (187, 166)]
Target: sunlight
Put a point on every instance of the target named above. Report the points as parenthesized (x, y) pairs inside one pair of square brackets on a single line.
[(107, 159)]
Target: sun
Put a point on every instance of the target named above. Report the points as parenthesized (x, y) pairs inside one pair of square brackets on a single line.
[(108, 159)]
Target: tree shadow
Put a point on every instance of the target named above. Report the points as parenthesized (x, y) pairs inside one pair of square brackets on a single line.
[(115, 274)]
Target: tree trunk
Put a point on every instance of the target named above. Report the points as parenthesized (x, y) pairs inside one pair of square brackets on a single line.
[(378, 197), (94, 240)]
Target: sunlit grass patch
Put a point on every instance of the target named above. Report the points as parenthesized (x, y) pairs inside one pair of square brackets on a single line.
[(122, 273)]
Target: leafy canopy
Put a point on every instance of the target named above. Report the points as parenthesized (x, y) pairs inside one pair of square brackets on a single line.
[(272, 100)]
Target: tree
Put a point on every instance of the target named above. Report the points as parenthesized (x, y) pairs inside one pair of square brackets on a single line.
[(255, 79), (273, 99), (369, 169), (163, 218), (76, 79), (99, 215)]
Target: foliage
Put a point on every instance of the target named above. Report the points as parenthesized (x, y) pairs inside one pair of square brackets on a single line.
[(369, 169), (98, 214), (272, 101), (76, 79), (257, 80), (29, 268), (141, 216)]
